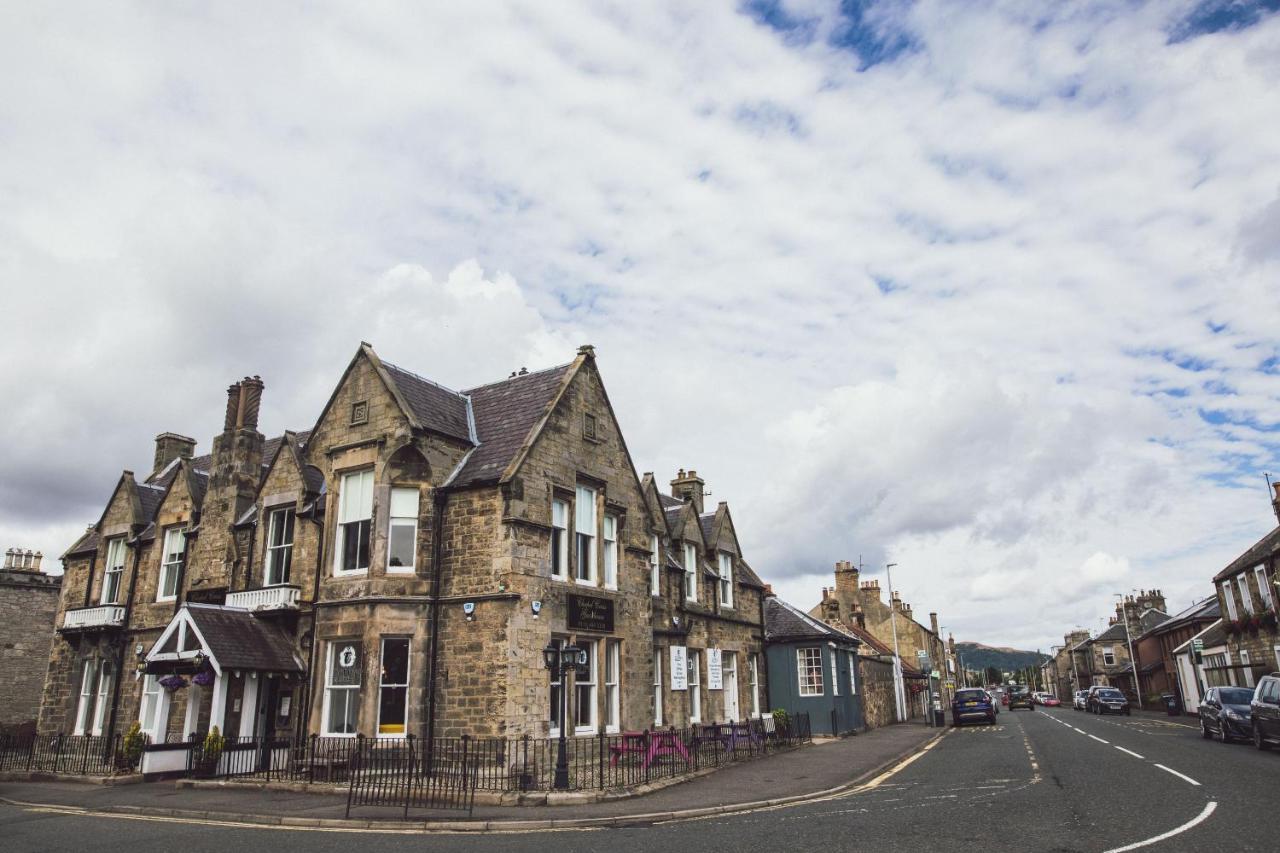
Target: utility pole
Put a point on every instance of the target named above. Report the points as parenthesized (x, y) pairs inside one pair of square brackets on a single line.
[(899, 692), (1133, 661)]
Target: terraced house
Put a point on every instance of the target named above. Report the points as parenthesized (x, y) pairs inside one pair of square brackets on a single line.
[(399, 568)]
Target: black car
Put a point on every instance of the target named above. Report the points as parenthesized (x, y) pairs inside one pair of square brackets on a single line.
[(1225, 713), (1020, 697), (1108, 700), (1264, 711)]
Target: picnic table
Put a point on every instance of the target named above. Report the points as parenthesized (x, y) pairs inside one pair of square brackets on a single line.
[(652, 745), (731, 735)]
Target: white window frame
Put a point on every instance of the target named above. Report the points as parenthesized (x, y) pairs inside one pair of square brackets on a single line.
[(171, 570), (1230, 600), (383, 684), (330, 688), (401, 515), (726, 579), (559, 545), (1108, 655), (557, 682), (609, 533), (149, 708), (584, 528), (278, 552), (657, 685), (84, 707), (352, 510), (655, 575), (1246, 599), (112, 571), (612, 686), (591, 684), (690, 572), (809, 674), (753, 681), (1264, 589), (106, 678), (695, 685), (1246, 670), (853, 672), (835, 673), (729, 686)]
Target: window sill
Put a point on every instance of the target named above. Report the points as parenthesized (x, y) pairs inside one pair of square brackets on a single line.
[(402, 570), (585, 732), (336, 734), (166, 599), (355, 573), (581, 582)]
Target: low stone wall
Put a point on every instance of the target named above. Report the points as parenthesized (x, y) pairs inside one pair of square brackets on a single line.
[(877, 693)]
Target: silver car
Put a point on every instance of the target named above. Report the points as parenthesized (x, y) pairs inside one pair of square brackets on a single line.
[(1078, 700)]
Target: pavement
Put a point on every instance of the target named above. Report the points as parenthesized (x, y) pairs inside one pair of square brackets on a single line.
[(823, 767), (1050, 779)]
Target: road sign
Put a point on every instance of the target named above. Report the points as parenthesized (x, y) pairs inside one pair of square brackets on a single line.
[(1197, 644)]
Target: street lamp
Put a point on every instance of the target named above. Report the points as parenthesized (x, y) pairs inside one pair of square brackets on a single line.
[(899, 692), (559, 661), (1128, 635)]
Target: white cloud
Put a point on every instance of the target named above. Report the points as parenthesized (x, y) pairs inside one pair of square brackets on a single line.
[(962, 310)]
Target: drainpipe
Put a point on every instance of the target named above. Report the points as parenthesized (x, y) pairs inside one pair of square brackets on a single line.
[(124, 643), (440, 500)]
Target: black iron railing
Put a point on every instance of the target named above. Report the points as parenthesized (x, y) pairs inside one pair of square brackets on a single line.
[(84, 755)]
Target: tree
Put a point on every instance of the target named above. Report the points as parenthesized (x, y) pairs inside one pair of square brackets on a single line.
[(992, 675)]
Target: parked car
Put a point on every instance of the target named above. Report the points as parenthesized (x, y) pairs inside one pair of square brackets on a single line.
[(1264, 711), (972, 703), (1080, 700), (994, 704), (1225, 712), (1050, 701), (1020, 698), (1107, 700), (1004, 698)]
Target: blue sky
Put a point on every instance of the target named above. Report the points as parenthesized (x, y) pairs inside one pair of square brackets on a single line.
[(984, 289)]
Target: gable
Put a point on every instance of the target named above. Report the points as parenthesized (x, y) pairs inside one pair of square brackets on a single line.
[(361, 383)]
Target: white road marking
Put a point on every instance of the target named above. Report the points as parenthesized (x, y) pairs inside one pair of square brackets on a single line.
[(1181, 776), (1081, 731), (1130, 751), (1099, 740), (1199, 819)]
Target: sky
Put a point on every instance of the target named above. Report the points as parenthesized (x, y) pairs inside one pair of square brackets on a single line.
[(984, 289)]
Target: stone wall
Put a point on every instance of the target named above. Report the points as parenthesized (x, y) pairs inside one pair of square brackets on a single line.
[(877, 692), (28, 604)]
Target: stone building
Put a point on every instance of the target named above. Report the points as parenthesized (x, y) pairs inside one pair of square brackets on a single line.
[(1062, 670), (1106, 658), (708, 609), (28, 604), (1247, 595), (398, 568), (854, 602), (1157, 668)]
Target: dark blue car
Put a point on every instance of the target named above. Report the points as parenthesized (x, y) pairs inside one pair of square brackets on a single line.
[(972, 703)]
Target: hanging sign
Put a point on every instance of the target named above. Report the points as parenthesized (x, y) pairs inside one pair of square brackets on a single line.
[(679, 668), (715, 674)]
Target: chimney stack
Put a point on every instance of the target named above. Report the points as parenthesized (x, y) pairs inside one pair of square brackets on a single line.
[(22, 560), (689, 487), (847, 581), (933, 624), (171, 446)]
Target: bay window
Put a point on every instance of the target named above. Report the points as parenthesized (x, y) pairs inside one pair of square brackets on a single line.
[(355, 516), (610, 536), (175, 544), (84, 707), (726, 579), (809, 671), (103, 699), (559, 539), (113, 571), (279, 546), (584, 528), (690, 572), (393, 687), (584, 689), (612, 693), (402, 539), (342, 687)]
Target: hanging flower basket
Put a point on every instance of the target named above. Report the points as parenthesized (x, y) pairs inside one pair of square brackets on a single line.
[(1252, 624), (173, 682), (1269, 621), (203, 678), (1231, 627)]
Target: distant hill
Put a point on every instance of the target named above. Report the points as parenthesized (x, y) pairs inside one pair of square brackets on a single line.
[(978, 656)]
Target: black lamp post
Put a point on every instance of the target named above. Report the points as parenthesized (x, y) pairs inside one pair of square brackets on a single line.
[(560, 660)]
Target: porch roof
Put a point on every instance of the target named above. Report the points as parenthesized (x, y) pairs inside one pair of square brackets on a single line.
[(231, 638)]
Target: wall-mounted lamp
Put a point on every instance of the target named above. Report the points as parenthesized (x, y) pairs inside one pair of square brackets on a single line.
[(536, 607), (675, 620), (139, 650), (469, 608)]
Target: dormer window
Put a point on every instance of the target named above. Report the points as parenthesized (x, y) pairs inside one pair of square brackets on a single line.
[(585, 536), (355, 516), (690, 572), (726, 579), (114, 571), (279, 546), (175, 545), (402, 543)]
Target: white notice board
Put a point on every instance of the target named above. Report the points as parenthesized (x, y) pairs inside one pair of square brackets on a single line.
[(715, 677), (679, 668)]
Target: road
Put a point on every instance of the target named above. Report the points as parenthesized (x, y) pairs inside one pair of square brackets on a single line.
[(1052, 779)]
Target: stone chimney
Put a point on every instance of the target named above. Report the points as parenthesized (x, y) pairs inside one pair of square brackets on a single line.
[(846, 582), (171, 446), (688, 486), (19, 560), (933, 624)]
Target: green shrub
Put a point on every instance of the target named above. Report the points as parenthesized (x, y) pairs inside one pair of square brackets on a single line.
[(134, 740)]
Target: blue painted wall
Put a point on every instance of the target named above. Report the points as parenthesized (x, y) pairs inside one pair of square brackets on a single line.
[(784, 686)]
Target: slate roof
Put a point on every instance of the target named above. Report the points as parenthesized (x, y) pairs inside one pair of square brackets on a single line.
[(436, 407), (707, 521), (239, 640), (669, 502), (1115, 632), (150, 495), (1263, 548), (747, 576), (505, 414), (784, 623), (1206, 611), (86, 544)]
